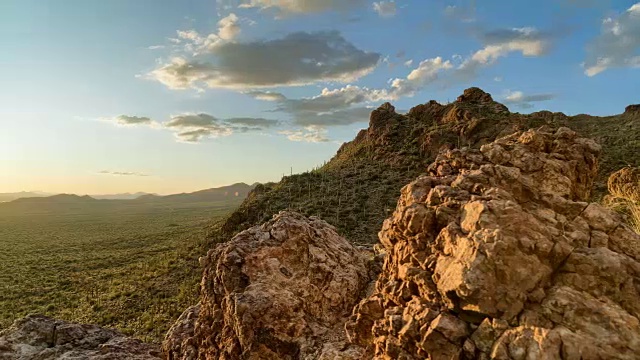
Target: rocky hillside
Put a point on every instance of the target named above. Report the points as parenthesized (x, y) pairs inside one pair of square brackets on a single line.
[(492, 253), (359, 187)]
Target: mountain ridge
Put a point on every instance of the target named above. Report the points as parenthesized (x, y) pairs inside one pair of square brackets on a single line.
[(358, 186)]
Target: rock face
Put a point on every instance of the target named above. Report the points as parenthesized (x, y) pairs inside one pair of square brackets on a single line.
[(41, 338), (632, 109), (282, 290), (494, 254)]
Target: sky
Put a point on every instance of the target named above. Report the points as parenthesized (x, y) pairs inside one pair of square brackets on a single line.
[(164, 96)]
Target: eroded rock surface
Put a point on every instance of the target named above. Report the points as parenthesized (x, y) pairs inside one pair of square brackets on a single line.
[(495, 254), (38, 337), (282, 290)]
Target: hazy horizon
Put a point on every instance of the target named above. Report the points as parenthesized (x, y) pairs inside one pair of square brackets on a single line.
[(166, 97)]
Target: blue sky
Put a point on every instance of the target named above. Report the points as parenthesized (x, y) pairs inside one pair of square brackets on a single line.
[(171, 96)]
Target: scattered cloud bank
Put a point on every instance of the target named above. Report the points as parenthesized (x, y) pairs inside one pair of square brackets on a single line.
[(121, 173), (329, 108), (618, 45), (385, 8), (194, 127), (301, 6), (519, 99), (311, 134), (297, 59)]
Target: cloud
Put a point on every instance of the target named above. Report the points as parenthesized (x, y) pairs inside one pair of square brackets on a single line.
[(499, 43), (121, 173), (343, 117), (426, 72), (127, 120), (329, 108), (303, 6), (518, 98), (228, 28), (385, 8), (156, 47), (195, 43), (249, 122), (299, 58), (266, 95), (311, 134), (193, 127), (618, 45)]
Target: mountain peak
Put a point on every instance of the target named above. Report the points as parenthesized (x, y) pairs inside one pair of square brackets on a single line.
[(475, 95)]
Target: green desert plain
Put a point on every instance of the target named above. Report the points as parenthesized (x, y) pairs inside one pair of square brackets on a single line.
[(127, 264)]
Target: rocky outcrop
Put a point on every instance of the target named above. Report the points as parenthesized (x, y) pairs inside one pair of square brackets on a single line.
[(41, 338), (632, 109), (282, 290), (495, 254)]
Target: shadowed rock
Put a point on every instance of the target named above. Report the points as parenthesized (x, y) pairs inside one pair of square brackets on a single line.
[(42, 338)]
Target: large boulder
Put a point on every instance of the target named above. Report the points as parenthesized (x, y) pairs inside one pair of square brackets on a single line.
[(38, 337), (495, 254), (282, 290)]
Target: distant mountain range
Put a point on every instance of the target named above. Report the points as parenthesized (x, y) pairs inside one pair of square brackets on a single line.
[(125, 196), (23, 194), (236, 191)]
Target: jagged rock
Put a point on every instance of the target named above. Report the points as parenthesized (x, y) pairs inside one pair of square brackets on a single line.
[(625, 184), (494, 254), (179, 343), (38, 337), (632, 109), (282, 290)]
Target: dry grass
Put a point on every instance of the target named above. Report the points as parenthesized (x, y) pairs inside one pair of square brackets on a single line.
[(624, 187)]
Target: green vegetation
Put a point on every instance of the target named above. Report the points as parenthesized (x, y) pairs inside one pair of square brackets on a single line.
[(124, 264)]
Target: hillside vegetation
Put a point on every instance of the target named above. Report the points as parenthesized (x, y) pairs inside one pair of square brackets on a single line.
[(357, 189)]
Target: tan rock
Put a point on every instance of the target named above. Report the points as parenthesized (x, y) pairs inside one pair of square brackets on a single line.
[(515, 265), (282, 290)]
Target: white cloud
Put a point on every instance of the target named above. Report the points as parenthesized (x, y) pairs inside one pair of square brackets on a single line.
[(311, 134), (228, 28), (385, 8), (297, 59), (528, 41), (518, 98), (408, 63), (426, 72), (303, 6), (618, 45)]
